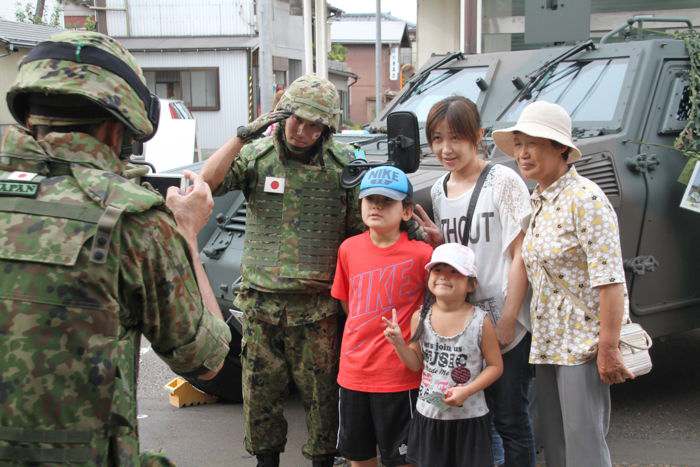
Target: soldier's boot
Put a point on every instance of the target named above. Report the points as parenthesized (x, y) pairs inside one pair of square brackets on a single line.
[(325, 462), (271, 459)]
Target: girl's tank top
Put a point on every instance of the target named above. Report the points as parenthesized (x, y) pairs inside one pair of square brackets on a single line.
[(448, 362)]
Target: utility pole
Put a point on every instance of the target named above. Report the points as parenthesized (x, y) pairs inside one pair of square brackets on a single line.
[(321, 39), (308, 38), (265, 54), (378, 62)]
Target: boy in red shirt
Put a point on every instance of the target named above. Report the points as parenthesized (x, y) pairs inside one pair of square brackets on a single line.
[(378, 271)]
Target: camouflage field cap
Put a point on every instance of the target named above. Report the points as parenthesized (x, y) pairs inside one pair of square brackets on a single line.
[(93, 66), (313, 98)]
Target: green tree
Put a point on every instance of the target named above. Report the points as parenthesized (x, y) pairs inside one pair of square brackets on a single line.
[(338, 52), (90, 24), (25, 12)]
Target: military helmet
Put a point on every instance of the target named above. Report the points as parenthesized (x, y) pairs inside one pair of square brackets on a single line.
[(313, 98), (91, 66)]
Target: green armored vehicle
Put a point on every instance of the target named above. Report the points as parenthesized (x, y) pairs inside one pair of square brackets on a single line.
[(628, 101)]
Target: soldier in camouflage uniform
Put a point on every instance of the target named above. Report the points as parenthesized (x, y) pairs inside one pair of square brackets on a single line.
[(90, 261), (297, 215)]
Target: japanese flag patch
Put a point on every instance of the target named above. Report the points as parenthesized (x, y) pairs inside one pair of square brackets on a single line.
[(21, 176), (274, 185)]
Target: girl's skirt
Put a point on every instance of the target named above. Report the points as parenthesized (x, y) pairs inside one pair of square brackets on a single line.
[(450, 443)]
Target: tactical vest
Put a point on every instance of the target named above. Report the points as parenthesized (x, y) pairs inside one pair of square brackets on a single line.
[(67, 377), (294, 231)]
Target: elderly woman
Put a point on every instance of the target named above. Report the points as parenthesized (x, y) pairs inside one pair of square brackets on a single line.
[(574, 263)]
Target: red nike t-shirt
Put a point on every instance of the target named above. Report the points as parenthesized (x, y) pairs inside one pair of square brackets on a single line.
[(373, 281)]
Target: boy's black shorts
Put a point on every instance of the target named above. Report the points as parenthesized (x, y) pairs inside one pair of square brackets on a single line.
[(368, 419)]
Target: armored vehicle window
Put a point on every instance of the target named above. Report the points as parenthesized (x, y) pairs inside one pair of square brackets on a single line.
[(679, 101), (588, 90), (442, 83)]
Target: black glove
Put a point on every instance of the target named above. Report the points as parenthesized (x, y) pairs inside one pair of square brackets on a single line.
[(258, 126), (416, 232)]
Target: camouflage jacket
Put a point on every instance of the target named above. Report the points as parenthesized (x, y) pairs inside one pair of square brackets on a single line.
[(71, 319), (248, 173)]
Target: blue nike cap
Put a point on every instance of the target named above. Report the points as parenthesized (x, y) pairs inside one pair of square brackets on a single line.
[(388, 181)]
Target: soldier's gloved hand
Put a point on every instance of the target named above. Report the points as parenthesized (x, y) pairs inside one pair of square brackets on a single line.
[(416, 231), (256, 128)]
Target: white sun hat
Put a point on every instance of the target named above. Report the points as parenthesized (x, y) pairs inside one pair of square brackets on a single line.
[(458, 256), (540, 119)]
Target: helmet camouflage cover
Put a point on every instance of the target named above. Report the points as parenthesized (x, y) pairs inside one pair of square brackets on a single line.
[(71, 77), (313, 98)]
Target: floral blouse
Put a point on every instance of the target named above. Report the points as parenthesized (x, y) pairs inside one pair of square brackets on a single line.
[(572, 243)]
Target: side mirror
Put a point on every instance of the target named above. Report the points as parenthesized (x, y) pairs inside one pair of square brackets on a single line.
[(403, 144), (403, 140)]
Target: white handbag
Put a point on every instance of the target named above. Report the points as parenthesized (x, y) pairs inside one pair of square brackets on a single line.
[(634, 340), (634, 346)]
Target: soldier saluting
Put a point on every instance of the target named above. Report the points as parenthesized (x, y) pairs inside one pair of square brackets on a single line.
[(297, 216), (89, 261)]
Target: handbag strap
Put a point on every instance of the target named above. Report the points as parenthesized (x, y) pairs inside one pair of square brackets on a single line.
[(559, 283), (472, 199)]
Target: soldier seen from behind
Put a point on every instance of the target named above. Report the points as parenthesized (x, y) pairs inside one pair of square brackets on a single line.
[(90, 261), (297, 216)]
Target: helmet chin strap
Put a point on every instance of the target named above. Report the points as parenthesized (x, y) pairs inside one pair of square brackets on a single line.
[(296, 149), (126, 148)]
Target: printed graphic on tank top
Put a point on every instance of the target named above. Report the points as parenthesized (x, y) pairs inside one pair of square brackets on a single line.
[(450, 361)]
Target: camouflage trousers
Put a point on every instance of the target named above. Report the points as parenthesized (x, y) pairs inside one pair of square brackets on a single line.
[(272, 356)]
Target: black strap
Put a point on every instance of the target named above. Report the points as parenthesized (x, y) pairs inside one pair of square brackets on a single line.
[(95, 56), (472, 199)]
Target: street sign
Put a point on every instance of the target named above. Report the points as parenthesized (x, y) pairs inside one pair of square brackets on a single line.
[(394, 63)]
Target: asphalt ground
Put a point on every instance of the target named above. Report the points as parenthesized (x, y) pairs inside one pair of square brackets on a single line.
[(655, 419)]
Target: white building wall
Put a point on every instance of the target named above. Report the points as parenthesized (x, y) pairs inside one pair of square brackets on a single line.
[(437, 28), (287, 32), (171, 18), (214, 128)]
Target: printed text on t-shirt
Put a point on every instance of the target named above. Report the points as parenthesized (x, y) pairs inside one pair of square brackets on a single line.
[(372, 293), (453, 229)]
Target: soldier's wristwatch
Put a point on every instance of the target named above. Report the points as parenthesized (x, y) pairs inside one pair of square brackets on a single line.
[(243, 133)]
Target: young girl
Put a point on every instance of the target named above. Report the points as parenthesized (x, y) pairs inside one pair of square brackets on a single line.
[(495, 235), (451, 340)]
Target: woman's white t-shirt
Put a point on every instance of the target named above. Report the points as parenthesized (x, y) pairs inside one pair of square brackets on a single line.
[(501, 213)]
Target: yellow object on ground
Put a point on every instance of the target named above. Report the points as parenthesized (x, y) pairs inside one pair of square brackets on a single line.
[(183, 394)]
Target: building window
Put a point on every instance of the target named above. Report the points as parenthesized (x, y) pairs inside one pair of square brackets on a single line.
[(198, 88), (280, 79)]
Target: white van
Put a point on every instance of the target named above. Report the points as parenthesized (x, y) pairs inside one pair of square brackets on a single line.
[(174, 144)]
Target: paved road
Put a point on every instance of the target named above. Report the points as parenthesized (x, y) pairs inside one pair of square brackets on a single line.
[(655, 420)]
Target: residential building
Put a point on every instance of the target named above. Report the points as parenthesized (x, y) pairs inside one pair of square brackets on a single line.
[(16, 40), (357, 32), (77, 15), (339, 73), (204, 53)]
